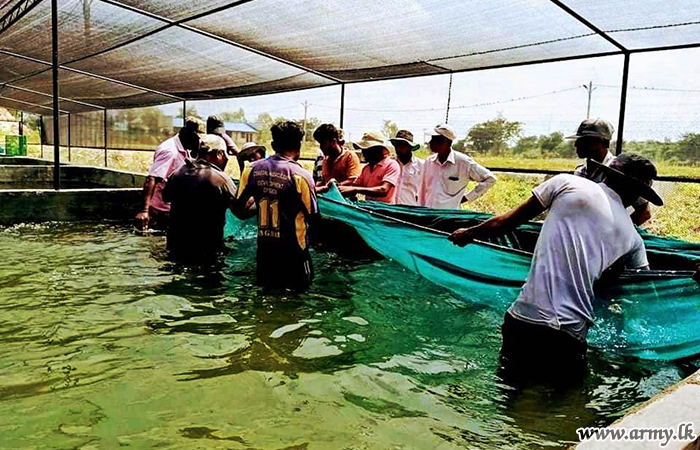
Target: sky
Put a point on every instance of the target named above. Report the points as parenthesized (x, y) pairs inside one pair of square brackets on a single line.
[(663, 100)]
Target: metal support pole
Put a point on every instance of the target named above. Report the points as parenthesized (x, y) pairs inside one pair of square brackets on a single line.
[(342, 104), (69, 158), (56, 113), (105, 136), (449, 100), (41, 135), (21, 123), (623, 104), (184, 111)]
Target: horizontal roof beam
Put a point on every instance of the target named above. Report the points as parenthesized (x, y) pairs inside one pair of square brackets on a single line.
[(89, 74), (181, 24), (31, 104), (32, 91), (497, 66), (666, 48)]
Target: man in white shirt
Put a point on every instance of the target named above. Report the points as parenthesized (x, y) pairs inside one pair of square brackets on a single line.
[(447, 172), (586, 231), (593, 143), (408, 191)]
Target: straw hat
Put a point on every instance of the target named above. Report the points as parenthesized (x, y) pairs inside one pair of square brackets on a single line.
[(369, 140)]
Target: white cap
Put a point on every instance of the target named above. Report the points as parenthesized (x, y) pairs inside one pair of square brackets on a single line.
[(213, 141), (445, 130)]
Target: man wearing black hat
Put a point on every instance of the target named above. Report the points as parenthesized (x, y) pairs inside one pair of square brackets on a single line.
[(592, 143), (216, 125), (586, 231)]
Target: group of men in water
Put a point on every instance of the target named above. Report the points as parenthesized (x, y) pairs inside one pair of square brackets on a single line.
[(587, 231)]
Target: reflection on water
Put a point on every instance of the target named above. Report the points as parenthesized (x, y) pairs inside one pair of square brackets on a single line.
[(104, 343)]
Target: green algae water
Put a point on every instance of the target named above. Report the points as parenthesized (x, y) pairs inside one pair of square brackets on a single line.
[(105, 344)]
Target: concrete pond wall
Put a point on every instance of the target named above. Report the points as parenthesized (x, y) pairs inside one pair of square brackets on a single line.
[(87, 193)]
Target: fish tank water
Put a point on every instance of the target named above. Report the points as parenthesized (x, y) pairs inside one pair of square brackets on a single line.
[(104, 343)]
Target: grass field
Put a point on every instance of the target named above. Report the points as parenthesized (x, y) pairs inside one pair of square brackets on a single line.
[(679, 217)]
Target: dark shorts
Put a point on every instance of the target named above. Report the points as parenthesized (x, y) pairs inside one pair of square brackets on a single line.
[(292, 273), (533, 352)]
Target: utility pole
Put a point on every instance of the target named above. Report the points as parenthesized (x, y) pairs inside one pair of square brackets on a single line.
[(306, 105), (590, 90)]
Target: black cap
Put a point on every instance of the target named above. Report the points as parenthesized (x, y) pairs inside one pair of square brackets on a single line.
[(637, 172), (215, 124)]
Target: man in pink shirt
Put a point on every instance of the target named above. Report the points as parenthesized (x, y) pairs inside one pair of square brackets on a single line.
[(379, 177), (170, 155)]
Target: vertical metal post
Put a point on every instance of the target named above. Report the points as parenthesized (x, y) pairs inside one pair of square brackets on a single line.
[(184, 111), (41, 135), (105, 136), (21, 123), (54, 73), (623, 104), (449, 100), (342, 104), (69, 158)]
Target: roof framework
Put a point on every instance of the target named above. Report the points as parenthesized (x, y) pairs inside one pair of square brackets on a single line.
[(131, 53), (106, 54)]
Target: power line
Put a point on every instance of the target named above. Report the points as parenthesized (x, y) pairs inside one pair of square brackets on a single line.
[(476, 105), (649, 88)]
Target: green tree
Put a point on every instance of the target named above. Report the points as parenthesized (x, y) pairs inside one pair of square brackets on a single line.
[(234, 116), (311, 124), (389, 129), (460, 146), (549, 143), (493, 135), (191, 111), (263, 123), (526, 144), (152, 118), (689, 147)]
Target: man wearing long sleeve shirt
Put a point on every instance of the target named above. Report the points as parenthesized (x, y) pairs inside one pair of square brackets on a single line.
[(447, 173)]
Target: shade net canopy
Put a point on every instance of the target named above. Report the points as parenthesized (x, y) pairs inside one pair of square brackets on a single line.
[(128, 53)]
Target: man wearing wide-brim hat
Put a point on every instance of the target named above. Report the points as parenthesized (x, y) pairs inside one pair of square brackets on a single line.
[(593, 138), (448, 172), (408, 191), (379, 177), (250, 152), (586, 231)]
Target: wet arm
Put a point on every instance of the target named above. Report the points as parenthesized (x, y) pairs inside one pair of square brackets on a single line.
[(149, 188), (499, 225), (376, 191)]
